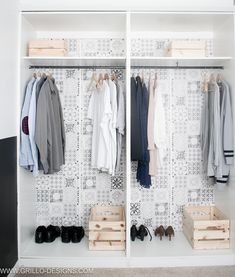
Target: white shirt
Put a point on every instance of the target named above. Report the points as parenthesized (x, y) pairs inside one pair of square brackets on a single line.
[(100, 112), (112, 125), (32, 127)]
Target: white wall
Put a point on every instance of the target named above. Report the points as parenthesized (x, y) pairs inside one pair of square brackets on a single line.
[(8, 67), (128, 4)]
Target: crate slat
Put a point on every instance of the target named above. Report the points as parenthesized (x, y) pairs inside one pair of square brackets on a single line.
[(107, 245), (107, 235)]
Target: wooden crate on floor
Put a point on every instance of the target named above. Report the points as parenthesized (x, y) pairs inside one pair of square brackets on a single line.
[(206, 227), (107, 229)]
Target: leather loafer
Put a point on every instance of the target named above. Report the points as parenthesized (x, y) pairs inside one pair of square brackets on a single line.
[(77, 233), (40, 234), (52, 232), (66, 234)]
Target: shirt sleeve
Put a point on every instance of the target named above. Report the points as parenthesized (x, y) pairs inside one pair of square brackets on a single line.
[(228, 140), (121, 112)]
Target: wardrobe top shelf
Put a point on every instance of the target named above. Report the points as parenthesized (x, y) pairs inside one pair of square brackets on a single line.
[(120, 61), (76, 61)]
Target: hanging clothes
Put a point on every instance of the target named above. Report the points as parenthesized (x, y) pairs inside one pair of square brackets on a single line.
[(151, 123), (32, 127), (100, 112), (26, 157), (217, 142), (112, 125), (142, 174), (107, 111), (136, 139), (120, 126), (49, 133)]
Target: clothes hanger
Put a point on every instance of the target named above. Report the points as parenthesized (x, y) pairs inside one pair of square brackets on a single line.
[(101, 78), (155, 81), (93, 79), (205, 81), (142, 76), (106, 76), (114, 77), (212, 77), (219, 77)]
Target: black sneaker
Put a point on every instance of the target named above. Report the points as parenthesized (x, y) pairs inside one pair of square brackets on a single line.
[(77, 233), (143, 232), (66, 234), (40, 234), (52, 232), (134, 232)]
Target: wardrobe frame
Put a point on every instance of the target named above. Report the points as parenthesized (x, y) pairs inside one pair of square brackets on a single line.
[(128, 258)]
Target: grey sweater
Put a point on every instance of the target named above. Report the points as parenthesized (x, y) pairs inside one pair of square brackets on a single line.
[(49, 135)]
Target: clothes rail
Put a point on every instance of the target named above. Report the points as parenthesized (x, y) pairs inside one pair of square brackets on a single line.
[(123, 67)]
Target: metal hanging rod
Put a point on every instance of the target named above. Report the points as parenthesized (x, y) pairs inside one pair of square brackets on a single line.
[(123, 67), (77, 66)]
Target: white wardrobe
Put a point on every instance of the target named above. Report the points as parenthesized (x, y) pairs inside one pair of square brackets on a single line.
[(124, 42)]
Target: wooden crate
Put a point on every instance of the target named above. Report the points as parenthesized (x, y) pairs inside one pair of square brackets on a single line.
[(206, 227), (107, 230), (33, 52), (184, 48), (47, 44)]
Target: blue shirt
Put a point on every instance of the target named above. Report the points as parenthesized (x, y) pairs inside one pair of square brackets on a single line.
[(26, 158)]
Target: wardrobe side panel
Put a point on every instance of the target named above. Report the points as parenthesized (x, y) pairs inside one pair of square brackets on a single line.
[(8, 203), (8, 67)]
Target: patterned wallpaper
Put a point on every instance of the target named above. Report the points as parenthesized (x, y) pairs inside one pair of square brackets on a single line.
[(65, 198), (181, 180)]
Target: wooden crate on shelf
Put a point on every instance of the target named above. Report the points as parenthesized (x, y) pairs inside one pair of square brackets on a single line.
[(107, 229), (206, 227)]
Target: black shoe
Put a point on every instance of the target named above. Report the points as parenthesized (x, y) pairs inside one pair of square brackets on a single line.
[(134, 232), (143, 232), (52, 233), (40, 234), (66, 233), (77, 233)]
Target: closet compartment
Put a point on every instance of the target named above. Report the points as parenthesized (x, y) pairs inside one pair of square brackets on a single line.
[(206, 227), (86, 34), (96, 42), (152, 34), (107, 228), (181, 181)]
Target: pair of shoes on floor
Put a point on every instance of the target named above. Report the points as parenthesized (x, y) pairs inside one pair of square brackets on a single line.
[(46, 234), (139, 233), (72, 233), (50, 233), (161, 231)]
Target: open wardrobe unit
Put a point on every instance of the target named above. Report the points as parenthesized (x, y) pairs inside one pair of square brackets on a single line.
[(127, 49)]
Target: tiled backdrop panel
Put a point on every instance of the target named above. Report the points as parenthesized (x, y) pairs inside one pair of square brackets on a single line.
[(180, 181), (66, 197)]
